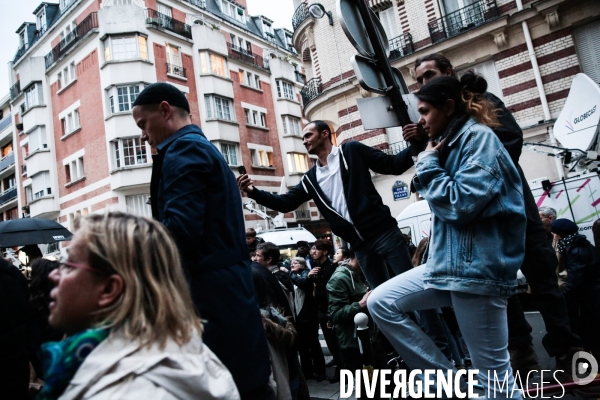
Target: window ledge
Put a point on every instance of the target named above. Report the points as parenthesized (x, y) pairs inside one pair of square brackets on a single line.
[(262, 128), (33, 153), (70, 133), (118, 114), (216, 76), (48, 196), (297, 173), (32, 107), (126, 61), (74, 182), (179, 77), (292, 136), (222, 120), (62, 89), (252, 88), (129, 167), (261, 167), (290, 100)]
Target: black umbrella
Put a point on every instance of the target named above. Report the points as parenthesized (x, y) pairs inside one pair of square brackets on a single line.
[(24, 231)]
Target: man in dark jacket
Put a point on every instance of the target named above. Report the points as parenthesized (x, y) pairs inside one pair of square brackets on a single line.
[(341, 186), (540, 260), (582, 293), (194, 195), (278, 285)]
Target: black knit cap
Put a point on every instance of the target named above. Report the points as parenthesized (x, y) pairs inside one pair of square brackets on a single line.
[(158, 92), (563, 227)]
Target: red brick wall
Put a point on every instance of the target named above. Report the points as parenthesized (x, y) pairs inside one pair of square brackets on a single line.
[(178, 14), (160, 58), (92, 135), (253, 135), (151, 4)]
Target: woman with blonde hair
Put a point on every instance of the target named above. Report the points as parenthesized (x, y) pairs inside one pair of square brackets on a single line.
[(477, 241), (132, 332)]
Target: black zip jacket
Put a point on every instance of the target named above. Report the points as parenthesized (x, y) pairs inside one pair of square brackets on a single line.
[(369, 215)]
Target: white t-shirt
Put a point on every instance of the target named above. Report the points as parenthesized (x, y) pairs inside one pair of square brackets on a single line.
[(329, 179)]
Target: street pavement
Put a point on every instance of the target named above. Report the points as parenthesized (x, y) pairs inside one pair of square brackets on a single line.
[(325, 390)]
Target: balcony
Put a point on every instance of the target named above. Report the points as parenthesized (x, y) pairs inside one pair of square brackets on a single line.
[(395, 148), (15, 90), (302, 214), (247, 57), (300, 78), (163, 22), (8, 195), (7, 161), (175, 70), (300, 15), (310, 91), (401, 46), (197, 3), (463, 20), (6, 122), (90, 22)]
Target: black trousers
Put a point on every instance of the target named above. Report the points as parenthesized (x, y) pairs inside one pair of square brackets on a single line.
[(330, 337), (539, 268), (309, 347)]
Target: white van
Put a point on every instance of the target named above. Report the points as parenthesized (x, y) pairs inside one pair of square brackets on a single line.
[(415, 221), (287, 238)]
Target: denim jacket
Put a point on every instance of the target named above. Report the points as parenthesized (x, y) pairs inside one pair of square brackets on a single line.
[(478, 234)]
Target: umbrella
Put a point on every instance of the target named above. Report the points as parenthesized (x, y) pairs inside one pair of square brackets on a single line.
[(24, 231)]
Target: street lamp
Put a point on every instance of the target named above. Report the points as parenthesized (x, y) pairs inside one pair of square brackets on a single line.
[(317, 11)]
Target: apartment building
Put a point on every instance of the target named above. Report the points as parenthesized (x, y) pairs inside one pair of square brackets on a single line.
[(8, 178), (528, 51), (81, 65)]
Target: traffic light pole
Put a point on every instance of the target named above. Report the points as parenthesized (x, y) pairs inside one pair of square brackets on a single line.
[(381, 59)]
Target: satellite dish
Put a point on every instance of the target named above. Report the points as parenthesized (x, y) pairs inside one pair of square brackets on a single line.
[(577, 124)]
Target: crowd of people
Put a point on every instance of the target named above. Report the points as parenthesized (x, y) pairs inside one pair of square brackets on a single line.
[(190, 304)]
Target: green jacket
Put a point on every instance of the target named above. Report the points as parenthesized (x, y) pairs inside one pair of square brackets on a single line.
[(345, 290)]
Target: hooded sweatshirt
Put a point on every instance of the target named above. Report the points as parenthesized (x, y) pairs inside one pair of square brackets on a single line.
[(122, 369)]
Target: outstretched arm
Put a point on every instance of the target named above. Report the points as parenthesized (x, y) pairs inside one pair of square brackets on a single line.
[(282, 203)]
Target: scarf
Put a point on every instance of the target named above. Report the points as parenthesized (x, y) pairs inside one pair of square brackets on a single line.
[(565, 242), (61, 360)]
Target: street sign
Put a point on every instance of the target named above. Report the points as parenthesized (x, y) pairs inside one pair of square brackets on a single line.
[(371, 78), (356, 31), (377, 112), (400, 191)]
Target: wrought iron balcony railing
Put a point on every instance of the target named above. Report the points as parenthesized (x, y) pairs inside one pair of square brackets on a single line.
[(7, 161), (175, 70), (312, 90), (300, 15), (462, 20), (90, 22), (8, 195), (247, 57), (302, 214), (161, 21), (15, 90), (197, 3), (300, 77), (5, 123), (401, 46), (396, 148)]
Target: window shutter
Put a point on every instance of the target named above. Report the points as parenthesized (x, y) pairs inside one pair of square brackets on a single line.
[(587, 39), (487, 69), (389, 22)]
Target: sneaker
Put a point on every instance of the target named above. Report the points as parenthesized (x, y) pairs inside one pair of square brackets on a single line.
[(523, 358)]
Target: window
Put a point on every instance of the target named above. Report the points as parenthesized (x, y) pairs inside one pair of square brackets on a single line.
[(70, 122), (231, 10), (67, 75), (587, 40), (41, 20), (128, 152), (255, 118), (263, 120), (212, 64), (389, 22), (250, 79), (34, 96), (40, 186), (261, 158), (125, 48), (173, 55), (285, 90), (229, 152), (37, 140), (219, 107), (291, 126), (164, 9), (7, 150), (257, 81), (22, 38), (297, 163), (68, 34), (74, 170), (121, 98), (487, 69), (137, 204)]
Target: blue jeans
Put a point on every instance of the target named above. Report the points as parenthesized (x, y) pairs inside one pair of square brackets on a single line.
[(482, 321)]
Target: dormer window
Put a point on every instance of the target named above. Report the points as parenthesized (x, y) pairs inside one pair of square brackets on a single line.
[(41, 20), (23, 37), (232, 10)]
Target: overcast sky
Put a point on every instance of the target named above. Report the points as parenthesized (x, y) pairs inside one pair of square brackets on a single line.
[(15, 12)]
